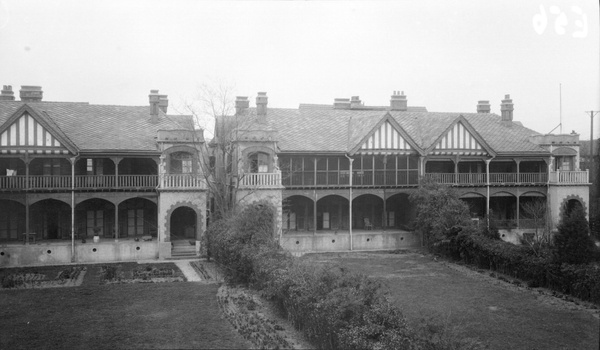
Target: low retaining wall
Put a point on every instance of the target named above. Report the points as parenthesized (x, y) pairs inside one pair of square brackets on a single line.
[(60, 253), (327, 242)]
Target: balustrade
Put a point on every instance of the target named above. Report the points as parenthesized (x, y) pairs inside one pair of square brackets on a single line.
[(261, 180)]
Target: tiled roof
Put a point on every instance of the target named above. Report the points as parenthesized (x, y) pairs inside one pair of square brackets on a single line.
[(314, 129), (102, 127)]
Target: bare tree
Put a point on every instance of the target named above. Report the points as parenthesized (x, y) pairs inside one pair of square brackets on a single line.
[(537, 211), (213, 108)]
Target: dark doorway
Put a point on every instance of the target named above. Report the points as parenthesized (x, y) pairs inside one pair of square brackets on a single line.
[(183, 223)]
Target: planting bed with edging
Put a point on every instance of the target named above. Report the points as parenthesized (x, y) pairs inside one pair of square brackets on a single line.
[(42, 277)]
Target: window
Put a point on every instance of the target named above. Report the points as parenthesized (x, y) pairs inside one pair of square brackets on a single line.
[(94, 166), (51, 167), (259, 163), (181, 163), (95, 218), (135, 222)]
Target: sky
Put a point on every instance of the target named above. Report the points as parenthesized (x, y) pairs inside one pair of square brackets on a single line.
[(444, 55)]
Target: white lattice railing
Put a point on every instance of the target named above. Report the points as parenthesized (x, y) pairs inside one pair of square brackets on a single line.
[(261, 180), (569, 177), (182, 181)]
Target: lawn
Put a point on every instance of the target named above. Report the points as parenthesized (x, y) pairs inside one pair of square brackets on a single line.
[(130, 315), (499, 314)]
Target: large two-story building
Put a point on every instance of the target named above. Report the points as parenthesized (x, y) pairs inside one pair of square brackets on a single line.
[(343, 173), (71, 171), (89, 183)]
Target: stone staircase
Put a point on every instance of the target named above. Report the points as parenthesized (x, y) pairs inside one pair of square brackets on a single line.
[(182, 249)]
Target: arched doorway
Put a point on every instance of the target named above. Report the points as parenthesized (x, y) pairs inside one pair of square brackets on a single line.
[(183, 224), (298, 213), (400, 212), (571, 205), (367, 212), (50, 219), (332, 213), (137, 217), (12, 220), (93, 215)]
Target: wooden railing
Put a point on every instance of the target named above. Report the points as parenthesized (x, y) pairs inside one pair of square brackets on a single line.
[(261, 180), (569, 177), (182, 181), (64, 182), (533, 177)]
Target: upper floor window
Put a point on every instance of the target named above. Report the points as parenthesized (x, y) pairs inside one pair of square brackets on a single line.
[(259, 162), (181, 163), (94, 166)]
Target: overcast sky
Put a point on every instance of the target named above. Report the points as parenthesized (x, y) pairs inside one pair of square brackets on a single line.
[(445, 55)]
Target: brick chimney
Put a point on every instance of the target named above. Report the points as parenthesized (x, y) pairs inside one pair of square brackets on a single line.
[(7, 93), (154, 99), (484, 107), (163, 103), (355, 102), (507, 109), (341, 103), (261, 107), (398, 102), (31, 93), (241, 103)]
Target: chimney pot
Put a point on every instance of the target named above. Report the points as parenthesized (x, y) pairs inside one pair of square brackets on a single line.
[(483, 106), (29, 93), (398, 102), (507, 108), (7, 93), (261, 107)]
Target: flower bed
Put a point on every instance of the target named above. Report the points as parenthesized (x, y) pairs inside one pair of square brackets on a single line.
[(145, 273), (45, 277)]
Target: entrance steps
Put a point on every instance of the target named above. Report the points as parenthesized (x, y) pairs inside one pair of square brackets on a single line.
[(182, 249)]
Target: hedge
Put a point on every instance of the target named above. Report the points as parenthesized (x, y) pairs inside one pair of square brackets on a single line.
[(335, 308), (581, 281)]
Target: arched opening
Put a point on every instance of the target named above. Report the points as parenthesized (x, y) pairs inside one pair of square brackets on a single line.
[(50, 219), (477, 204), (95, 217), (572, 205), (332, 213), (183, 224), (298, 214), (137, 217), (533, 210), (367, 212), (181, 163), (503, 209), (258, 162), (12, 220), (400, 213)]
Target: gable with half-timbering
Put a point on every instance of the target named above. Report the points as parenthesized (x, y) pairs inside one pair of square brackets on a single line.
[(459, 140), (27, 135), (386, 138)]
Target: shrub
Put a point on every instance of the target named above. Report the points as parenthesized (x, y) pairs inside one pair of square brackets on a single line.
[(334, 307), (439, 211), (572, 242)]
